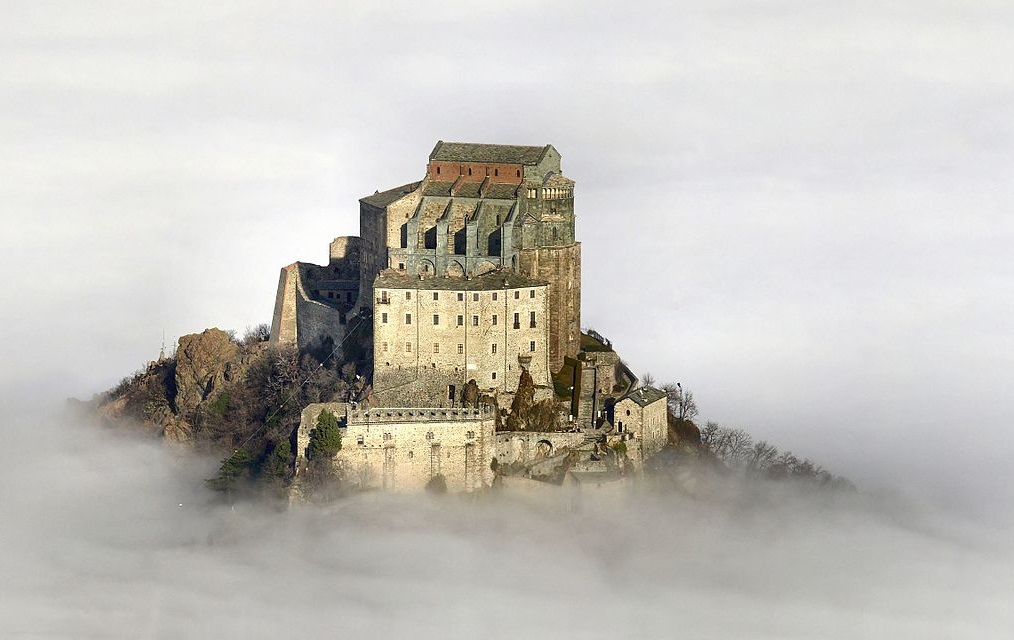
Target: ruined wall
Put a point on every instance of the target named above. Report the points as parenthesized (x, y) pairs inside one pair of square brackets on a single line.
[(313, 303), (427, 340), (561, 267), (524, 447)]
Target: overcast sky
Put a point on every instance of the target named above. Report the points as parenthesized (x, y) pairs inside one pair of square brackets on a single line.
[(800, 210)]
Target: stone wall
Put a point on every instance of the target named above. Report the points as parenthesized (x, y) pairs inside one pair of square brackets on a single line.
[(427, 340), (525, 447), (402, 449), (561, 267), (643, 428)]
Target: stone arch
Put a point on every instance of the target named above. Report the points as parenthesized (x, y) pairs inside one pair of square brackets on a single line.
[(484, 267), (454, 269), (425, 268), (543, 449)]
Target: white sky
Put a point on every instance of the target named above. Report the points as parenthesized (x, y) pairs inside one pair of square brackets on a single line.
[(800, 210)]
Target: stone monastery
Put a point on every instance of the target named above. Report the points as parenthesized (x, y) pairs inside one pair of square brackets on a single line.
[(470, 277)]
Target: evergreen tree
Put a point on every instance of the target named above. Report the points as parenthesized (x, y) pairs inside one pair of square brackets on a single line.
[(325, 438)]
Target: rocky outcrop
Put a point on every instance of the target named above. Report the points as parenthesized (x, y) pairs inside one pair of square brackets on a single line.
[(204, 362)]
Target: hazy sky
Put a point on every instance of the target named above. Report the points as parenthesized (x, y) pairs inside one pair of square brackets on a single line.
[(800, 210)]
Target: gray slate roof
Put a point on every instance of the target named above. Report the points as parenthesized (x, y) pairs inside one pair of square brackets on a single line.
[(499, 279), (383, 198), (472, 152), (644, 396)]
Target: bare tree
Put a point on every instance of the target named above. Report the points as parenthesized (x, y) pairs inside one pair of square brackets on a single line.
[(760, 457), (647, 379), (681, 401), (731, 445), (709, 434)]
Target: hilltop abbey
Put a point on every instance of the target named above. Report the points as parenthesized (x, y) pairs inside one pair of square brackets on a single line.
[(470, 277)]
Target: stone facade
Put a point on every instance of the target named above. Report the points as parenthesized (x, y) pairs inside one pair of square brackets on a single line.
[(472, 273), (641, 421), (402, 449), (433, 335), (479, 209)]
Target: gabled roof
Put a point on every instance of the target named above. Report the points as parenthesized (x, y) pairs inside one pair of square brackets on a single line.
[(643, 396), (472, 152), (383, 198)]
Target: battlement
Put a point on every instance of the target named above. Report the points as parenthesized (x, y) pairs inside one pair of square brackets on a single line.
[(388, 415)]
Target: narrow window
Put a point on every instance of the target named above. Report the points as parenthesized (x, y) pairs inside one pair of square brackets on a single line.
[(436, 347), (531, 293), (383, 347), (408, 347), (408, 318), (360, 440), (461, 320), (494, 319), (498, 220), (438, 171), (531, 320), (517, 294), (475, 297), (461, 297), (494, 375), (518, 173), (517, 321), (461, 349), (531, 346), (493, 348), (383, 318), (494, 295), (408, 295), (470, 171), (436, 295), (401, 266), (475, 321), (496, 172), (436, 319)]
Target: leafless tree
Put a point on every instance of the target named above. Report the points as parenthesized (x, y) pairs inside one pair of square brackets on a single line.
[(681, 401), (760, 457), (731, 445), (647, 379)]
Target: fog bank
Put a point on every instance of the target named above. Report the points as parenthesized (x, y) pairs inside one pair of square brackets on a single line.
[(106, 535)]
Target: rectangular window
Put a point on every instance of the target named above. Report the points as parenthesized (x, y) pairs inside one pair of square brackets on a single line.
[(494, 319), (531, 319), (436, 347), (475, 321), (436, 295), (494, 295), (517, 294), (408, 295), (383, 347), (475, 297), (461, 297), (531, 346), (408, 318), (383, 318), (436, 319), (531, 293), (461, 321), (493, 348), (461, 348), (517, 321), (408, 347), (494, 375)]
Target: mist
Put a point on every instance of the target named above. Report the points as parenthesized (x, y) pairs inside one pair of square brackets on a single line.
[(799, 210), (108, 535)]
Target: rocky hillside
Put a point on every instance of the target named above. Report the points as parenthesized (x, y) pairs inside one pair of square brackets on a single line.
[(219, 394)]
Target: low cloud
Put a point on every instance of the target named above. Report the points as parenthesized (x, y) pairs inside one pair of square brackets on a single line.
[(108, 535)]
